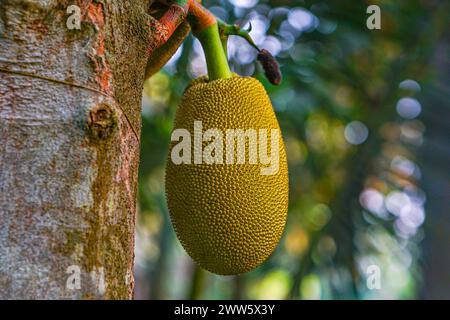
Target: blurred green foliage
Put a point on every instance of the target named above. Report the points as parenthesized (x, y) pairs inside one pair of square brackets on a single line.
[(348, 108)]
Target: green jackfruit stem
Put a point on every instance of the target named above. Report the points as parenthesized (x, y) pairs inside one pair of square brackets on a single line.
[(224, 40), (205, 27), (216, 59), (226, 30)]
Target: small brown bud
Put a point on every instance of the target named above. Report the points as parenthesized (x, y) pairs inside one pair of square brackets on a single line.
[(270, 66)]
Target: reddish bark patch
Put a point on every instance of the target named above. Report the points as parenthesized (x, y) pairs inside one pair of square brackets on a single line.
[(39, 26), (203, 18), (95, 15), (166, 26)]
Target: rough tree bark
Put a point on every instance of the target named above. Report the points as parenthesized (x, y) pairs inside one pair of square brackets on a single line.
[(69, 146)]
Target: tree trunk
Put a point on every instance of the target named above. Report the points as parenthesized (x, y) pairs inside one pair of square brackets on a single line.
[(69, 146)]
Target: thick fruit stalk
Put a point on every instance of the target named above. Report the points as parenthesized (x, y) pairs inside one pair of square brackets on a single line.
[(205, 28), (216, 60)]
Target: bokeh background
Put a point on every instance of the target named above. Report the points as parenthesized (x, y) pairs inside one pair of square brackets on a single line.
[(365, 116)]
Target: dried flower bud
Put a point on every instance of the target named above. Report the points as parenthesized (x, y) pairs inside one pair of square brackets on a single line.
[(270, 66)]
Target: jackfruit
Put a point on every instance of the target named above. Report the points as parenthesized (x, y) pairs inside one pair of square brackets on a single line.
[(229, 216)]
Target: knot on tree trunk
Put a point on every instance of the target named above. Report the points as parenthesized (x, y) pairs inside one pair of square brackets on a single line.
[(102, 122)]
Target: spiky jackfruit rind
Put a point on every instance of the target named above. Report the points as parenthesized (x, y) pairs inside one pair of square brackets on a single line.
[(229, 218)]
